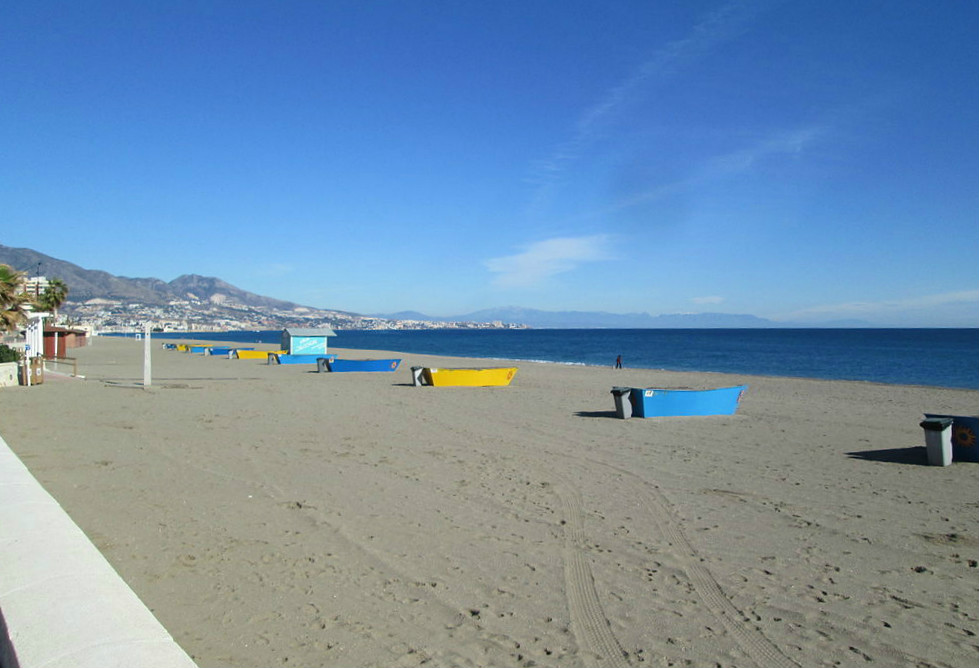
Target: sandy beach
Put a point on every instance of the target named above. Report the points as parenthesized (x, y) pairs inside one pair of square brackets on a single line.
[(272, 516)]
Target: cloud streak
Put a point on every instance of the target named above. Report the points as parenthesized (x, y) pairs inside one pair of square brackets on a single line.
[(719, 167), (781, 143), (539, 261), (719, 27), (728, 164)]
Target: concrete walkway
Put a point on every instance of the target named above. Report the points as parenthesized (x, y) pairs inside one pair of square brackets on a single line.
[(61, 602)]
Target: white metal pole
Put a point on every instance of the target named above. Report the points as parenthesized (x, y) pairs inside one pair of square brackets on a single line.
[(147, 374)]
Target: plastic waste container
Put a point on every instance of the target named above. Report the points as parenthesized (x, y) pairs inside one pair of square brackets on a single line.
[(322, 364), (418, 375), (938, 440), (623, 404), (965, 429)]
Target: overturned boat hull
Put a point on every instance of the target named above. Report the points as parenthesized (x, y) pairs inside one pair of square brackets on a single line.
[(249, 354), (342, 366), (282, 358), (659, 402), (492, 377)]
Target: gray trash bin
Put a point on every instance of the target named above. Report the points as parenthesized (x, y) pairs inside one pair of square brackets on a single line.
[(623, 405), (322, 364), (418, 375), (938, 440)]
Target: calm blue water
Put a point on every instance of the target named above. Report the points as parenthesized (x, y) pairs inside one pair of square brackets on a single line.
[(939, 357)]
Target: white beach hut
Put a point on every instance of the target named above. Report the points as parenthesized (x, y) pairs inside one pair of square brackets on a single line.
[(297, 341)]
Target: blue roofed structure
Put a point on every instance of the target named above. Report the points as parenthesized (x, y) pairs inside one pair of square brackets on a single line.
[(298, 341)]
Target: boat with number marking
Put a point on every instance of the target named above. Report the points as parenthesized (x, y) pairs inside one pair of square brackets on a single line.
[(660, 402), (487, 377)]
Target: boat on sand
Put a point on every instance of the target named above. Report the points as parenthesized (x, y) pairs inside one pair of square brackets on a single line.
[(248, 354), (283, 358), (336, 365), (661, 402), (487, 377)]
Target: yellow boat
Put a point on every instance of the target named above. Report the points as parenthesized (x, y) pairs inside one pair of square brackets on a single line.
[(468, 377), (256, 354)]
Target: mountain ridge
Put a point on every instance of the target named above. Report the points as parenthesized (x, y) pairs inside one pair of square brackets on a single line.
[(604, 320), (94, 284), (598, 319), (85, 284)]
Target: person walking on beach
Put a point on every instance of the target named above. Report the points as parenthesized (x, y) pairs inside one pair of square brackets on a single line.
[(618, 362)]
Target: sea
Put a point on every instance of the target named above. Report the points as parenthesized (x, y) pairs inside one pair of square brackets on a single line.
[(935, 357)]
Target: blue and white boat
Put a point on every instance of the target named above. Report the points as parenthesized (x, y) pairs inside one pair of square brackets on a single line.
[(280, 358), (341, 365), (660, 402)]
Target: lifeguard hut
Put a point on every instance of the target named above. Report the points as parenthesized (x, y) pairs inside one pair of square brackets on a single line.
[(296, 341)]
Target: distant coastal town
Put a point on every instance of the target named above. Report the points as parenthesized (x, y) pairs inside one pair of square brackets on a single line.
[(222, 314), (95, 301)]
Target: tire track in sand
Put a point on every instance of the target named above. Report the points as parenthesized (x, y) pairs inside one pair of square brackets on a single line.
[(588, 621), (752, 641), (761, 650)]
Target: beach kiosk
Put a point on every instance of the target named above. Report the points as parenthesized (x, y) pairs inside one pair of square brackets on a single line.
[(296, 341)]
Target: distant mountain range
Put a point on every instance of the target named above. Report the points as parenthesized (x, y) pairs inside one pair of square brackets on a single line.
[(602, 320), (86, 284), (596, 319)]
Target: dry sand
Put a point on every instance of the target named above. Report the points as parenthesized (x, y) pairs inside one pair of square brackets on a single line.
[(269, 515)]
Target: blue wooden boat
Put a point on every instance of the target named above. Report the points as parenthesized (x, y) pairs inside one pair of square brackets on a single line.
[(341, 365), (658, 402), (280, 358), (193, 348)]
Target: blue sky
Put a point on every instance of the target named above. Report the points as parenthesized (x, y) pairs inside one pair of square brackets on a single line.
[(805, 160)]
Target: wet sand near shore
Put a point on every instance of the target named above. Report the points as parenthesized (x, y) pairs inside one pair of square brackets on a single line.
[(271, 515)]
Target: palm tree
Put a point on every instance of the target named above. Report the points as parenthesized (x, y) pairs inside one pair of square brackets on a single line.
[(12, 298), (53, 296)]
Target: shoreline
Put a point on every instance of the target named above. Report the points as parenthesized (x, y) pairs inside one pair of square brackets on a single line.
[(657, 366), (268, 513)]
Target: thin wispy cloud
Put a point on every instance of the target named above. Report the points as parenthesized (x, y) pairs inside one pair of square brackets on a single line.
[(543, 259), (707, 300), (719, 27), (781, 143), (886, 308)]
